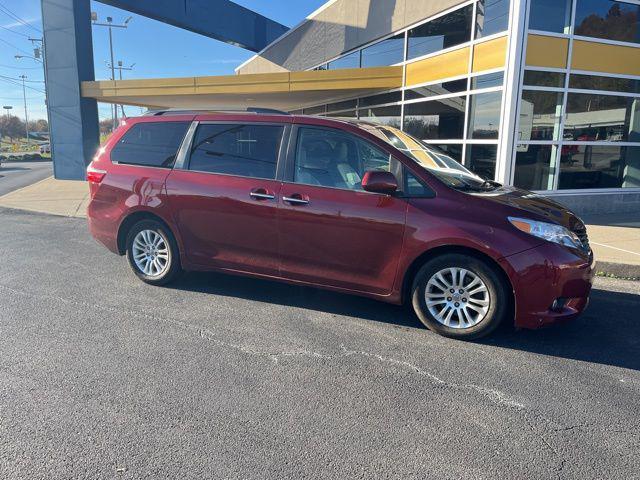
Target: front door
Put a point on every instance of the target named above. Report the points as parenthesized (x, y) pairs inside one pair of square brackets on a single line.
[(332, 232), (225, 198)]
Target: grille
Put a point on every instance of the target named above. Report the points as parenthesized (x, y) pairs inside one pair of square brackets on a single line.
[(581, 232)]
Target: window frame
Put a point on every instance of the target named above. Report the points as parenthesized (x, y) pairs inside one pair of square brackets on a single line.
[(395, 165), (183, 158)]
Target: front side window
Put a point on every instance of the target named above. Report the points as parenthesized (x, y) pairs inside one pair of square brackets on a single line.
[(331, 158), (234, 149), (444, 32), (150, 144)]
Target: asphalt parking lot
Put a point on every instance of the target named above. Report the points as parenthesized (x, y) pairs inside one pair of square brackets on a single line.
[(102, 376), (14, 175)]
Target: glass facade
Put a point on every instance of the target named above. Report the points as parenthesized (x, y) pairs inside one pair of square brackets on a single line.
[(580, 130), (574, 130)]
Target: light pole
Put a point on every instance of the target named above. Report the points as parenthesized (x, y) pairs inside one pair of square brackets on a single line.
[(7, 108), (120, 68), (111, 25), (38, 56), (26, 118)]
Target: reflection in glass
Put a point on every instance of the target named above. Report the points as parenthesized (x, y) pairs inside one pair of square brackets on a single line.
[(602, 118), (444, 32), (383, 115), (436, 119), (386, 52), (484, 115), (599, 166), (481, 160), (381, 99), (533, 170), (608, 19), (540, 114), (488, 80), (344, 114), (444, 88), (535, 78), (492, 17), (345, 105), (453, 149), (550, 15), (348, 61), (317, 110), (595, 82)]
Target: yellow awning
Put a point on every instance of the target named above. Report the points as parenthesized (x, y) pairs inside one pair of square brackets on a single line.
[(283, 90)]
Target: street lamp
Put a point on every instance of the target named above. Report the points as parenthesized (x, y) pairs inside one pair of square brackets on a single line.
[(7, 108), (111, 25)]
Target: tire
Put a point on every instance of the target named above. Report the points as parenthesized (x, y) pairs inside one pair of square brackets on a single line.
[(478, 305), (159, 265)]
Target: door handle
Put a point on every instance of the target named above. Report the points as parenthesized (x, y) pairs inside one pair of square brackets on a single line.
[(261, 194), (296, 199)]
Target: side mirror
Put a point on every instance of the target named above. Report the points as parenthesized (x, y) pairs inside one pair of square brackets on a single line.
[(379, 182)]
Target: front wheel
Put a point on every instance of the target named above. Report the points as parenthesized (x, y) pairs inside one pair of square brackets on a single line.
[(460, 296), (152, 252)]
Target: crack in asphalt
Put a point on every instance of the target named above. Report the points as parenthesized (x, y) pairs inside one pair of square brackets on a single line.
[(493, 395)]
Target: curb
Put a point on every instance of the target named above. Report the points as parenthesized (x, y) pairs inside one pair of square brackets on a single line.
[(620, 270)]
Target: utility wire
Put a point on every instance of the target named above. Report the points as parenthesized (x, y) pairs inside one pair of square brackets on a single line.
[(17, 48), (8, 12), (13, 31), (19, 68), (20, 80), (18, 84)]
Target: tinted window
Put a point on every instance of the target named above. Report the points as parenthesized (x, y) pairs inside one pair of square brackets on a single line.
[(390, 97), (481, 160), (550, 15), (607, 19), (533, 167), (414, 187), (317, 110), (436, 119), (492, 17), (245, 150), (599, 166), (535, 78), (386, 52), (488, 80), (346, 105), (348, 61), (153, 144), (444, 88), (444, 32), (613, 84), (331, 158), (602, 118), (484, 115), (539, 115), (383, 115)]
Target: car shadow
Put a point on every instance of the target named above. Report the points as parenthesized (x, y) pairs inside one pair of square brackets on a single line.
[(608, 332), (279, 293)]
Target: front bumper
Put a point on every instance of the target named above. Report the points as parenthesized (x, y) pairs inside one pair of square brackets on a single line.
[(544, 274)]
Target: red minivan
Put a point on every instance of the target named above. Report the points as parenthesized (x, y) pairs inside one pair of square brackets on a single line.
[(345, 205)]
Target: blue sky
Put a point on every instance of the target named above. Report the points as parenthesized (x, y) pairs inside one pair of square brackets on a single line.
[(156, 49)]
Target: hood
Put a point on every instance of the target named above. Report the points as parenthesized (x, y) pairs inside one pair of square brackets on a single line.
[(534, 206)]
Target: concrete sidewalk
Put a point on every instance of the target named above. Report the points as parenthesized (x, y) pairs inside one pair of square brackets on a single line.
[(615, 239)]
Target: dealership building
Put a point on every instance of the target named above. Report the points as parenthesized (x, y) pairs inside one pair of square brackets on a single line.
[(540, 94)]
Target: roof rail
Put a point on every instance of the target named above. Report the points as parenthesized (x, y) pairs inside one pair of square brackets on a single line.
[(178, 111)]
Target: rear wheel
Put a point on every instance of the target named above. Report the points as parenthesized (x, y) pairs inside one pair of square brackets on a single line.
[(459, 296), (152, 252)]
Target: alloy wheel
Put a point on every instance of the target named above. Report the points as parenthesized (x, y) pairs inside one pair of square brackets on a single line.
[(151, 253)]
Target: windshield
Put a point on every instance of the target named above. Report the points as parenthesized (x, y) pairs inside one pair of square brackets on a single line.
[(431, 158)]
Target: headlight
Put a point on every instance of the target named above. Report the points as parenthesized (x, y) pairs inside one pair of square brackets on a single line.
[(547, 231)]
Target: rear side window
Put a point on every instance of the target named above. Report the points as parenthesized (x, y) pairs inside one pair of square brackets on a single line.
[(150, 144), (244, 150)]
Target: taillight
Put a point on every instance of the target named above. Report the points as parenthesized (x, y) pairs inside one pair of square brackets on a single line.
[(95, 175)]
